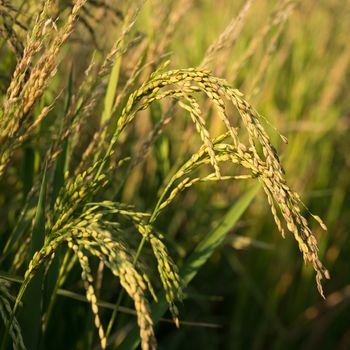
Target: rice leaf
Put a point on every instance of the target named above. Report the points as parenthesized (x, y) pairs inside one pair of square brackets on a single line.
[(30, 314), (111, 90), (63, 158)]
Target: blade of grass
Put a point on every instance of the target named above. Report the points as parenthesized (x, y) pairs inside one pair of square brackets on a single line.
[(63, 158), (30, 315), (111, 92), (197, 259), (28, 170), (61, 167)]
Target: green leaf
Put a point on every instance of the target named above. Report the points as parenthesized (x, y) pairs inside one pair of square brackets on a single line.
[(61, 167), (63, 158), (197, 259), (111, 90), (38, 235), (28, 170), (212, 240), (30, 314)]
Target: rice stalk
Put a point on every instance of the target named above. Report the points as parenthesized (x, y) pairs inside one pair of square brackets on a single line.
[(92, 228)]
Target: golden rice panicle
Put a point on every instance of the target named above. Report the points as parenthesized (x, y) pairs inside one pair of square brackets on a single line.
[(166, 267), (117, 257), (47, 64), (4, 159), (135, 286), (75, 192), (87, 278), (273, 179), (33, 46), (199, 122), (30, 80), (37, 260), (265, 163)]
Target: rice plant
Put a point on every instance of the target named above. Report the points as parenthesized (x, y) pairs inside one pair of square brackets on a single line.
[(112, 156)]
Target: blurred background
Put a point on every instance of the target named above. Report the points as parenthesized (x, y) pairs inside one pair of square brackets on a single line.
[(292, 61)]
